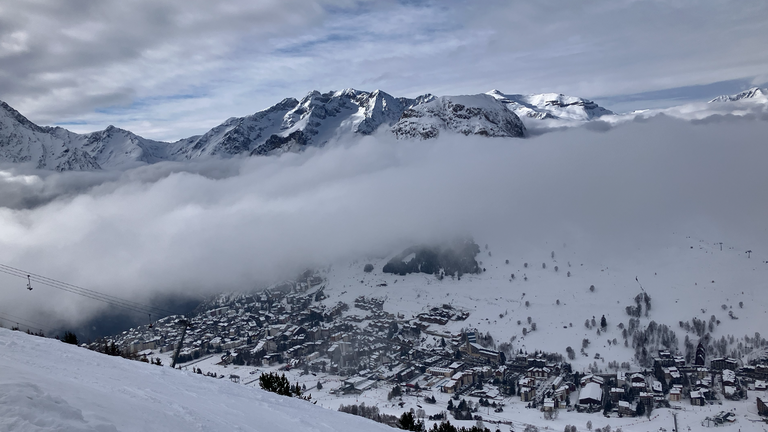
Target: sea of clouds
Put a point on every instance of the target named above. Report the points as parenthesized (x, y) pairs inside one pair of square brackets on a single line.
[(199, 228)]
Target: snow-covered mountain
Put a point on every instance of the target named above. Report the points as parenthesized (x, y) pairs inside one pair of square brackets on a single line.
[(290, 125), (550, 106), (56, 148), (755, 93), (468, 115), (47, 385)]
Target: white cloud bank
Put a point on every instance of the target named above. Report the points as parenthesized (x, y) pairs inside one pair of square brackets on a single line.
[(229, 225)]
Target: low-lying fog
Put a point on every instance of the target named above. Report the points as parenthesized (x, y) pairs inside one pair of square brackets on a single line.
[(205, 227)]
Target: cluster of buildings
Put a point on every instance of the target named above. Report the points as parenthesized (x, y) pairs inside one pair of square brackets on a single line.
[(671, 382), (292, 326)]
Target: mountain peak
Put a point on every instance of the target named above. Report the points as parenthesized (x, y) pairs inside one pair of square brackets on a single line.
[(19, 118), (754, 93)]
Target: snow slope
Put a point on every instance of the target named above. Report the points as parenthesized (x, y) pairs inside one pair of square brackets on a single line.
[(685, 279), (46, 385), (550, 106)]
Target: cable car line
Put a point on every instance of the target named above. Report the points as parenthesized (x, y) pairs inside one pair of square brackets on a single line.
[(85, 292), (29, 324)]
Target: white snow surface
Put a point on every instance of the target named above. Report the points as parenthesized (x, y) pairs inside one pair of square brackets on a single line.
[(46, 385), (550, 106)]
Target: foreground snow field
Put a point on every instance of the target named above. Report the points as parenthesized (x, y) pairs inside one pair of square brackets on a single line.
[(46, 385)]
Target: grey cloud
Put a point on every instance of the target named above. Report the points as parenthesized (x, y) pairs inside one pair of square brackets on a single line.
[(225, 225), (74, 51)]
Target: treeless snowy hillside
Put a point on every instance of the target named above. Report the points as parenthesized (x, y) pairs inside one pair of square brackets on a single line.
[(46, 385)]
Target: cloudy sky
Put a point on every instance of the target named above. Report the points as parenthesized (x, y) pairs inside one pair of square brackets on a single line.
[(171, 69)]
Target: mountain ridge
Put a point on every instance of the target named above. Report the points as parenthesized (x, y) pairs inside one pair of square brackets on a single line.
[(754, 93), (290, 125)]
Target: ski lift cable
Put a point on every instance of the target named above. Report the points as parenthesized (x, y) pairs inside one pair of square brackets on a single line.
[(26, 323), (95, 295), (19, 319), (84, 294), (44, 280)]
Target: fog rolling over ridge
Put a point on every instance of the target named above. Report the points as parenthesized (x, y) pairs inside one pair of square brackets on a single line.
[(205, 227)]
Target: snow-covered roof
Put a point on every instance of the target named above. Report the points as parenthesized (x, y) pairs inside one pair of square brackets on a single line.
[(591, 391)]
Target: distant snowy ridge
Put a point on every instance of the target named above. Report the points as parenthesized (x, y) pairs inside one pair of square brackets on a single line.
[(47, 385), (755, 93), (550, 106), (468, 115), (290, 125)]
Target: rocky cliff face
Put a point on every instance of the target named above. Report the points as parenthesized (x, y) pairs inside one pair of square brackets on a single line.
[(468, 115)]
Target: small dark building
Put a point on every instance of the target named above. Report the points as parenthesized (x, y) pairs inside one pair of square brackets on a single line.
[(762, 409), (701, 355)]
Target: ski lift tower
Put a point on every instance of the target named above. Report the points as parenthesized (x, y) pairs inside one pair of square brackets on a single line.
[(185, 325)]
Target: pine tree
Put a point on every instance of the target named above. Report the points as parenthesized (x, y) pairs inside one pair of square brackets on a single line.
[(69, 338)]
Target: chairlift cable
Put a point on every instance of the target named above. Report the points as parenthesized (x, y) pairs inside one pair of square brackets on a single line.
[(85, 292), (62, 285), (26, 323)]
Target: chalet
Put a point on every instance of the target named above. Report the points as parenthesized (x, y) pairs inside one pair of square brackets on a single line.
[(724, 363), (537, 373), (625, 409), (679, 361), (549, 405), (591, 379), (701, 372), (646, 398), (456, 366), (621, 378), (526, 382), (591, 394), (440, 371), (527, 394), (478, 351), (561, 394), (270, 359), (637, 387), (697, 398), (729, 377), (637, 377), (617, 394), (449, 386), (675, 394), (762, 409), (672, 375), (535, 361), (664, 359), (464, 378), (729, 391)]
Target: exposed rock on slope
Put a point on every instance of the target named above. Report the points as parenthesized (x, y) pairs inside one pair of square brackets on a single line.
[(468, 115)]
